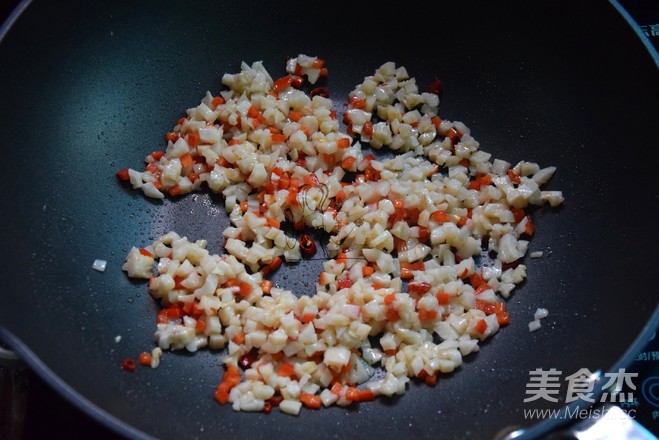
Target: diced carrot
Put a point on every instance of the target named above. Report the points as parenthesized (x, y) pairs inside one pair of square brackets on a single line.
[(253, 112), (239, 337), (367, 270), (366, 395), (367, 129), (503, 318), (295, 115), (284, 181), (310, 179), (371, 174), (144, 358), (358, 103), (419, 288), (454, 135), (200, 326), (336, 388), (278, 138), (156, 155), (514, 177), (123, 175), (389, 299), (442, 298), (245, 289), (518, 214), (270, 187), (479, 181), (275, 263), (329, 158), (406, 269), (171, 136), (343, 142), (427, 315), (530, 227), (424, 234), (273, 223), (218, 100), (266, 286), (291, 197), (286, 370), (462, 221), (222, 393), (481, 326), (482, 288), (145, 252), (392, 315), (307, 318), (186, 160), (440, 217), (348, 162), (477, 280), (345, 283), (175, 191), (282, 84), (352, 394), (311, 400), (193, 139)]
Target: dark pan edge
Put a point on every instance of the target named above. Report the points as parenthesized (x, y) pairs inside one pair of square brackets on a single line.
[(544, 428), (4, 27), (68, 393), (637, 29)]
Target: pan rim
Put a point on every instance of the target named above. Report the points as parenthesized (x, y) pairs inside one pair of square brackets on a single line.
[(637, 30), (545, 427), (51, 379), (11, 19)]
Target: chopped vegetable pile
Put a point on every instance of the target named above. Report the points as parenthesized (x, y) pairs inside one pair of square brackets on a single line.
[(424, 245)]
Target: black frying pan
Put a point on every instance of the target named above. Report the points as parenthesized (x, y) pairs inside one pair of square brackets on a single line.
[(87, 88)]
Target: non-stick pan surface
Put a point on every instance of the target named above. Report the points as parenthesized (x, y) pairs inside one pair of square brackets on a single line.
[(87, 88)]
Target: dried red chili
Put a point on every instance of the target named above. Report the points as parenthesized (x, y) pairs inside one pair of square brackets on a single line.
[(128, 365), (247, 360), (297, 81), (320, 91), (307, 245), (435, 87)]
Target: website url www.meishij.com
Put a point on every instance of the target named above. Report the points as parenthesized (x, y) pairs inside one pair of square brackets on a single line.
[(578, 413)]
